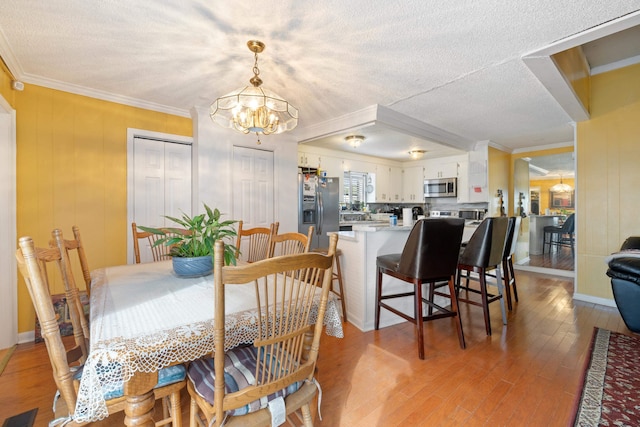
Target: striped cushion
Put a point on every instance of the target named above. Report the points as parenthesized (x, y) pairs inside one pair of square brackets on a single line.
[(239, 371), (166, 376)]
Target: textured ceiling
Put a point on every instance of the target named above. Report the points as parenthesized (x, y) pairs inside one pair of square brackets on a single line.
[(454, 65)]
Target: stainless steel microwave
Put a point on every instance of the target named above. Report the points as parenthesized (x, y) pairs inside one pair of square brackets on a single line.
[(441, 187)]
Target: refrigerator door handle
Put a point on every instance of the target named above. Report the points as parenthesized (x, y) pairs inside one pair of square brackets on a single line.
[(320, 219)]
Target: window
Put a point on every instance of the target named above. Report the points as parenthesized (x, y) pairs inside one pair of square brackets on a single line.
[(354, 190)]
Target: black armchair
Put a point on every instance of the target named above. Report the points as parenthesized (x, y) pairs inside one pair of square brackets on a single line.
[(624, 270)]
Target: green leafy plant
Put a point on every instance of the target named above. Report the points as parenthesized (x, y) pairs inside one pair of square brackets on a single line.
[(197, 235)]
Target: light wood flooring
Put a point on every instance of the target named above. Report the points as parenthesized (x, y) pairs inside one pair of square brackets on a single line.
[(526, 374), (561, 258)]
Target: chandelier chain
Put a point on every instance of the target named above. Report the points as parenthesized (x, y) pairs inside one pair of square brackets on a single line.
[(256, 70)]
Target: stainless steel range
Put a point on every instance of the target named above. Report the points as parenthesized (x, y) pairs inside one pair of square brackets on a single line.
[(438, 214)]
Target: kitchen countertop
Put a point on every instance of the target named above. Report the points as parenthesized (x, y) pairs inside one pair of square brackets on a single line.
[(364, 222), (377, 226), (384, 226)]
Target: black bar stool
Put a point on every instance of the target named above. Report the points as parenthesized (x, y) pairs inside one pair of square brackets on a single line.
[(430, 255), (484, 252)]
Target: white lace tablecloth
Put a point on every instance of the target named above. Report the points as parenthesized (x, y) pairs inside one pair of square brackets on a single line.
[(144, 318)]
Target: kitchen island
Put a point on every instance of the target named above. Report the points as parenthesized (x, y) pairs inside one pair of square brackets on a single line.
[(360, 248), (537, 223)]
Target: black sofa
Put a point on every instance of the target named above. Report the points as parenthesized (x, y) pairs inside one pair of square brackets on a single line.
[(624, 270)]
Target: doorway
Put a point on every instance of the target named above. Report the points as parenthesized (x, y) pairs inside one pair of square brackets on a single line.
[(159, 181), (253, 177), (8, 280), (545, 172)]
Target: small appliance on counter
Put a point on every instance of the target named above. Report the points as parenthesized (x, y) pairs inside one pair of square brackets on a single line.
[(417, 211), (472, 214), (440, 214)]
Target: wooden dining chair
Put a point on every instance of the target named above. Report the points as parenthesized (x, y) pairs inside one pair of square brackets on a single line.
[(256, 240), (159, 252), (290, 243), (76, 244), (59, 261), (237, 385), (67, 364)]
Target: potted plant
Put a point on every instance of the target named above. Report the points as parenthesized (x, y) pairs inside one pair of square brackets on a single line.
[(192, 245)]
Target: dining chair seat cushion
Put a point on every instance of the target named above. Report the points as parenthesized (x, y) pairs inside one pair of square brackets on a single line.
[(239, 370), (169, 375)]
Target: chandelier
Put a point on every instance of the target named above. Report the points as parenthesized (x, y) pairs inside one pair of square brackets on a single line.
[(354, 140), (253, 108), (561, 188)]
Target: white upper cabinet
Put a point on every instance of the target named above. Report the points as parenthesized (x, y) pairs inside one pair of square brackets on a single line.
[(413, 184), (463, 181), (395, 184), (382, 184), (443, 167)]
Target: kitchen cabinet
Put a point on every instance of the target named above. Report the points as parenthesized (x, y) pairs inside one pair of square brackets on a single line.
[(382, 184), (443, 167), (302, 158), (413, 184), (395, 184), (463, 181), (388, 184), (332, 166)]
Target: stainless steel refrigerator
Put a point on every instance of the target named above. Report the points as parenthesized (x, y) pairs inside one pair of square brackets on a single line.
[(318, 205)]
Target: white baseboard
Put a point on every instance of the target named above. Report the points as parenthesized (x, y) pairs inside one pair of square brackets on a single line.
[(26, 337), (595, 300), (549, 271)]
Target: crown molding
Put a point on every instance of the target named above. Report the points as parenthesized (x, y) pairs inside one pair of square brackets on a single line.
[(103, 95)]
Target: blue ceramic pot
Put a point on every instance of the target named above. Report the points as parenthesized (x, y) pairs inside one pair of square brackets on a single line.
[(192, 266)]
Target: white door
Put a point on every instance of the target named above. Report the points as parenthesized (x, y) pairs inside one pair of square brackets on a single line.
[(253, 187), (8, 278), (161, 184)]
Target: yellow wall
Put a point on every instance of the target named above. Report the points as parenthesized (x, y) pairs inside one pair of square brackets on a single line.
[(547, 152), (608, 159), (544, 185), (573, 65), (71, 170)]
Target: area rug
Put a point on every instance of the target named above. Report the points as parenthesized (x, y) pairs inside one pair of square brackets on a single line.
[(5, 355), (610, 394)]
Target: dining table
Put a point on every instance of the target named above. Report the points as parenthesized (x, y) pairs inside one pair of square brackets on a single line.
[(144, 318)]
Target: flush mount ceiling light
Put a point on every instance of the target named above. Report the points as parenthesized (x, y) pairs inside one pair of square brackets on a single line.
[(416, 154), (253, 108), (561, 188), (355, 140)]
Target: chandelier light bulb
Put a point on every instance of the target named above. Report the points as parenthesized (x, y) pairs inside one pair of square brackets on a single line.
[(254, 108)]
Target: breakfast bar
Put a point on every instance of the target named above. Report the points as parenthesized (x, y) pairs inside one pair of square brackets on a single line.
[(360, 248)]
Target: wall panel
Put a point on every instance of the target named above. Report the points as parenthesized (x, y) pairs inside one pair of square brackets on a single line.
[(608, 176), (71, 170)]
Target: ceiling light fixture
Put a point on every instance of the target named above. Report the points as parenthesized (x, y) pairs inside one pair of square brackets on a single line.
[(355, 140), (561, 188), (253, 108), (416, 154)]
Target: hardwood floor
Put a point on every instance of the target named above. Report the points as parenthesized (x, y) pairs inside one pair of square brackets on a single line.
[(560, 259), (527, 373)]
